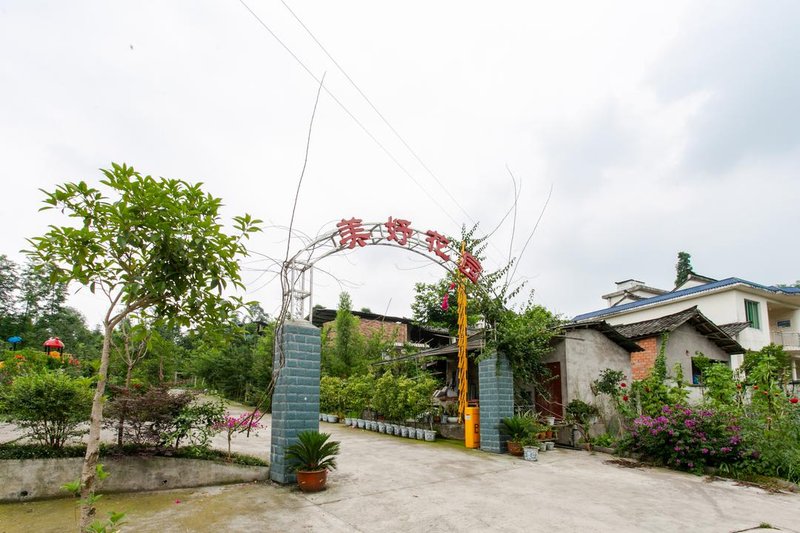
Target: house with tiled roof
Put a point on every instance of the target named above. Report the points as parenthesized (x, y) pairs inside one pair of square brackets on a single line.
[(586, 348), (754, 315)]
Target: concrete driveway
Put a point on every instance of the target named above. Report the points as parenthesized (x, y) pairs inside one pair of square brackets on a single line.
[(387, 483)]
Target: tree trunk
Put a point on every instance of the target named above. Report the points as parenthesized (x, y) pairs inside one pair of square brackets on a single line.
[(89, 472), (124, 408)]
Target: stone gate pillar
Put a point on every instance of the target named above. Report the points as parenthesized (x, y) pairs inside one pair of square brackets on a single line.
[(496, 389), (295, 402)]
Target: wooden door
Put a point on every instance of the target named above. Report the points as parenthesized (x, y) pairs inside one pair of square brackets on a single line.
[(550, 404)]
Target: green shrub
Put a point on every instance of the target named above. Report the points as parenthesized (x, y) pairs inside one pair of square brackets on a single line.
[(48, 405), (143, 415), (332, 395), (196, 423), (36, 451)]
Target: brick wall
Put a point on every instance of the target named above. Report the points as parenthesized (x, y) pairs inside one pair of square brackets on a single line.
[(642, 362), (391, 330), (295, 402), (496, 389)]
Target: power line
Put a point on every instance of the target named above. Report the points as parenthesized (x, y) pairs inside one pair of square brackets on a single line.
[(374, 108), (349, 113), (388, 124)]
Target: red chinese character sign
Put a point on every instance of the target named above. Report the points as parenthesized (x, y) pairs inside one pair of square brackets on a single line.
[(353, 232)]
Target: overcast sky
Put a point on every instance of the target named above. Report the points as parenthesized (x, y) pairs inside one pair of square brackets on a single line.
[(660, 127)]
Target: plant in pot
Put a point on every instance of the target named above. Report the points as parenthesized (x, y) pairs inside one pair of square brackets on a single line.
[(530, 447), (517, 428), (311, 457), (451, 408), (582, 415)]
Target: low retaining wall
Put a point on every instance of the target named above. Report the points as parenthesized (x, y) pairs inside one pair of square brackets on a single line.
[(31, 479)]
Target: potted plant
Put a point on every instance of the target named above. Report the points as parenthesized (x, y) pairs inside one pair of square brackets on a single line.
[(451, 408), (582, 415), (517, 428), (311, 457), (530, 448)]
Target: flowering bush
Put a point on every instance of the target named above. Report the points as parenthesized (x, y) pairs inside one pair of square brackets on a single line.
[(688, 438), (238, 424), (30, 360)]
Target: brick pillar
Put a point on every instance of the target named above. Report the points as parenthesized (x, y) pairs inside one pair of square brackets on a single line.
[(295, 402), (496, 389)]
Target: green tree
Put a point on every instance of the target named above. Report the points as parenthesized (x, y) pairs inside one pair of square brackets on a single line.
[(343, 356), (525, 339), (42, 294), (157, 246), (8, 285), (683, 268)]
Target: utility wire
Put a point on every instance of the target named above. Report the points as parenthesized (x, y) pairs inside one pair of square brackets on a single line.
[(384, 119), (349, 113), (374, 108)]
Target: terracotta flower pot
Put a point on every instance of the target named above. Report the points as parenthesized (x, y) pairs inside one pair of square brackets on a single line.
[(514, 448), (312, 481)]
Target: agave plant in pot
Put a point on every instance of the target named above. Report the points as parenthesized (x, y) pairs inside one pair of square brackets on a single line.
[(311, 457)]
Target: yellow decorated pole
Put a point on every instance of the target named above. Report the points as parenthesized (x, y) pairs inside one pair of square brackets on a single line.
[(462, 344)]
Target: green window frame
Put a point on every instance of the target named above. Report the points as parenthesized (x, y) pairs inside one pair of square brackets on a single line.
[(752, 314)]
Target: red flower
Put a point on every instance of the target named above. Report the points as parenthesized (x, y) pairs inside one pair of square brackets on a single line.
[(625, 398), (793, 399), (623, 385), (755, 387)]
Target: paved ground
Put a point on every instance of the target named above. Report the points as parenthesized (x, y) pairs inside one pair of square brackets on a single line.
[(391, 484)]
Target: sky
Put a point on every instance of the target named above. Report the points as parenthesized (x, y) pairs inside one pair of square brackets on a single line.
[(653, 127)]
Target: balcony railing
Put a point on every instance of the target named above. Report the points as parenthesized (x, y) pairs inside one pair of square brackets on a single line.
[(786, 338)]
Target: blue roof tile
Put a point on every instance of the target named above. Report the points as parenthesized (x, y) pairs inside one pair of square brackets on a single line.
[(684, 292)]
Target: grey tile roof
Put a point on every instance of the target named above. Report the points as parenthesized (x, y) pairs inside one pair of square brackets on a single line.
[(668, 323), (734, 327), (606, 329)]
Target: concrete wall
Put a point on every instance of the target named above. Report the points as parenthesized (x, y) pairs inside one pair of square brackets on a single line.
[(589, 352), (31, 479), (295, 403), (496, 384), (682, 345)]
